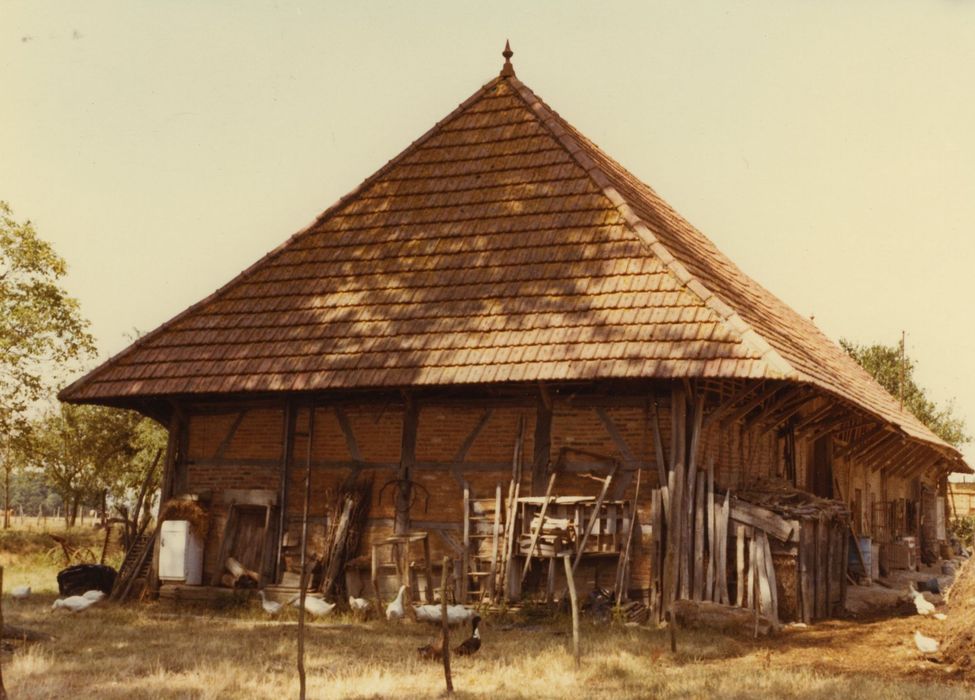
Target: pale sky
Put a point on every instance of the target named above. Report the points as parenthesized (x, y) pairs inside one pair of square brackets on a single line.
[(828, 148)]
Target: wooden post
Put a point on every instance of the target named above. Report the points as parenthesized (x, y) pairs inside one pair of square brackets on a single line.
[(671, 566), (374, 577), (662, 471), (465, 561), (411, 418), (622, 568), (445, 627), (570, 580), (494, 541), (304, 543), (713, 546), (288, 432), (697, 590), (543, 439), (3, 691)]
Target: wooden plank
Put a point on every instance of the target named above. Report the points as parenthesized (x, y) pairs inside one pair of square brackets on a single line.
[(229, 528), (806, 552), (764, 586), (594, 517), (740, 564), (690, 483), (773, 612), (762, 518), (674, 524), (351, 444), (697, 592), (465, 560), (712, 533), (766, 393), (538, 530), (662, 470), (722, 595), (750, 600), (622, 570), (494, 540)]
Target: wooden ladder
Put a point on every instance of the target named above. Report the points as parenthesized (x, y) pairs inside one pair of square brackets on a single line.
[(137, 562), (483, 524)]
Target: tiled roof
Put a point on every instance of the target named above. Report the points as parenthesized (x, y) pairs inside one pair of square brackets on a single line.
[(502, 246)]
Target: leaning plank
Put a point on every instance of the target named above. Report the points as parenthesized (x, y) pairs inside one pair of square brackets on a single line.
[(671, 566), (594, 517), (740, 564), (712, 534), (721, 530), (698, 589), (773, 613), (762, 518), (764, 587), (663, 473), (750, 590), (538, 529), (494, 540), (723, 618)]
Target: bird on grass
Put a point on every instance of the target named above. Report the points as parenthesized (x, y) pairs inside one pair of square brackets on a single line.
[(395, 610), (271, 607), (471, 644), (359, 605), (75, 603), (315, 606), (456, 614), (20, 592), (921, 604), (432, 651), (925, 645), (93, 595)]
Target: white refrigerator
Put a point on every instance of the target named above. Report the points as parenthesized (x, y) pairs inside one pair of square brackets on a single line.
[(180, 553)]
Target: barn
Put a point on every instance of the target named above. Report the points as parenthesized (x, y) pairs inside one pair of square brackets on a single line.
[(505, 349)]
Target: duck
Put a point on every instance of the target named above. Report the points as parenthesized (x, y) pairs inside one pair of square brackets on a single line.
[(315, 606), (20, 592), (921, 604), (471, 644), (75, 603), (271, 607), (432, 651), (925, 645), (93, 595), (456, 614), (359, 605), (395, 610)]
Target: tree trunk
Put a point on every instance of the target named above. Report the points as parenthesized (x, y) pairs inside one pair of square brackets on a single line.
[(6, 496)]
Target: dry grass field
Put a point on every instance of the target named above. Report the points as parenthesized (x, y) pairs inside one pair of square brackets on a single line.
[(165, 651)]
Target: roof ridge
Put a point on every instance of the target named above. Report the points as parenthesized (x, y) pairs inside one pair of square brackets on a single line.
[(341, 202), (735, 323)]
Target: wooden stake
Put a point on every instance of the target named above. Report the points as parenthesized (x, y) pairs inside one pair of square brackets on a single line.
[(663, 473), (3, 691), (621, 570), (570, 580), (671, 567), (541, 523), (304, 544), (595, 515), (713, 546), (444, 627), (697, 591)]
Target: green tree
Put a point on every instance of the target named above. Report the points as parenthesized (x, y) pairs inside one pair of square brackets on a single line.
[(42, 332), (86, 452), (884, 363)]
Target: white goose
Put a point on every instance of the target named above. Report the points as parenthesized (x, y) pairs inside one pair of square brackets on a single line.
[(359, 605), (20, 592), (315, 606), (395, 610), (921, 604), (925, 645), (456, 614), (271, 607), (75, 603)]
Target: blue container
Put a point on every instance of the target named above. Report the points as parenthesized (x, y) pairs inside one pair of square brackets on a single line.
[(866, 550)]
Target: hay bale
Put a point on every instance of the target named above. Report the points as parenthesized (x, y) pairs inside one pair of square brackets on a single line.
[(185, 509), (958, 644)]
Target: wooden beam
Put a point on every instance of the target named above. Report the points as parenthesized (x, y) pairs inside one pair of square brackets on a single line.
[(287, 443), (751, 405), (543, 442), (350, 442), (629, 459), (231, 432), (784, 406), (725, 406), (465, 447), (862, 442), (814, 418), (404, 493)]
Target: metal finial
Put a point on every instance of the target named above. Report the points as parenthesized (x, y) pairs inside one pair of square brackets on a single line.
[(507, 69)]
